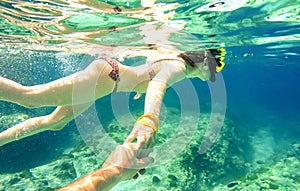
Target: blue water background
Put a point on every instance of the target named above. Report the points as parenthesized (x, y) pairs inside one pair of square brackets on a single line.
[(264, 91)]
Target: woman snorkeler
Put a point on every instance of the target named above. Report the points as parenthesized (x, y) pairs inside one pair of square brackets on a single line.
[(108, 76)]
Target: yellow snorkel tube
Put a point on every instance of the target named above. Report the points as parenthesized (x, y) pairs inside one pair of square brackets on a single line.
[(216, 63), (219, 58)]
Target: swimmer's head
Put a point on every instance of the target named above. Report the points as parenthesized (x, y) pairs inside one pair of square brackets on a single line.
[(204, 64)]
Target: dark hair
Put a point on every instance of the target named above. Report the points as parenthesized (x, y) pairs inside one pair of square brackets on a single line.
[(213, 57), (191, 58)]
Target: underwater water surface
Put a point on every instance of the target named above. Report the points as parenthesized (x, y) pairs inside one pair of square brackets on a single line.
[(258, 147)]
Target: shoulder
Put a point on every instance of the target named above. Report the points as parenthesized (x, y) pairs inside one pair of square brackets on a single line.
[(171, 71)]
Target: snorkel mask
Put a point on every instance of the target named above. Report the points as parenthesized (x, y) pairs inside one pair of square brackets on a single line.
[(209, 62), (215, 61)]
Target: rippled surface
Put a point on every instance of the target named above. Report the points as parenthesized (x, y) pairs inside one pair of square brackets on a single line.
[(61, 24)]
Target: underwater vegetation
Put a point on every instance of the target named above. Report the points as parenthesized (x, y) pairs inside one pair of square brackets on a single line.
[(226, 165), (189, 170)]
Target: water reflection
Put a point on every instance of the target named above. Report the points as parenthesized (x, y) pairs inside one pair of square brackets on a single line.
[(85, 22)]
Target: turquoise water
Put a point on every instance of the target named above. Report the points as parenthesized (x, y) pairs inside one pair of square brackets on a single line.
[(258, 146)]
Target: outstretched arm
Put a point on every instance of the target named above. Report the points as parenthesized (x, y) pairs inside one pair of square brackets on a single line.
[(54, 121), (122, 164), (170, 74)]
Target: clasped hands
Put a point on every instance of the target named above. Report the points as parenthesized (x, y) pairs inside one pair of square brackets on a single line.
[(125, 162), (131, 158)]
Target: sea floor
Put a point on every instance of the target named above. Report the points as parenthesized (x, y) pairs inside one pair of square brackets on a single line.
[(228, 165)]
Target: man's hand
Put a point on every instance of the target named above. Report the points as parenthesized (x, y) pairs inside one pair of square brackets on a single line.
[(122, 164), (126, 160)]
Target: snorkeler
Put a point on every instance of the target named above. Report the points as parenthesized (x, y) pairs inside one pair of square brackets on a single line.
[(108, 75)]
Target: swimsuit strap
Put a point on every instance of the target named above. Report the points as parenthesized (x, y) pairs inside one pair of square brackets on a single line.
[(151, 71), (114, 74)]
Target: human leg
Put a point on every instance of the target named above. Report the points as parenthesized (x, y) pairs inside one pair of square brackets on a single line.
[(58, 92), (54, 121)]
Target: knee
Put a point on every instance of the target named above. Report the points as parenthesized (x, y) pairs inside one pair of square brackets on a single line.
[(57, 127), (54, 123)]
